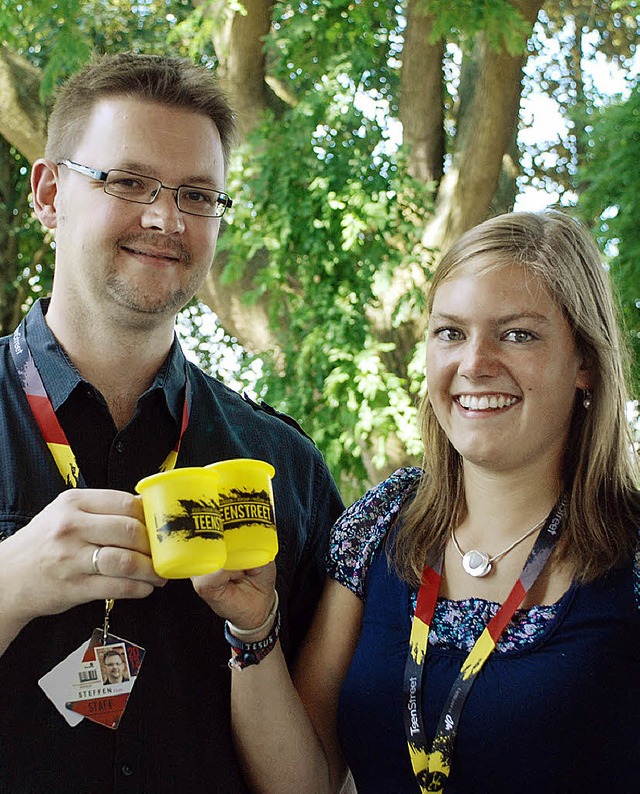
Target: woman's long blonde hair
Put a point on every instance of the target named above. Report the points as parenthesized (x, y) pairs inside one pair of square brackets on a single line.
[(599, 471)]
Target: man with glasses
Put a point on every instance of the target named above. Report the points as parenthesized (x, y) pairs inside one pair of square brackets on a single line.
[(95, 394)]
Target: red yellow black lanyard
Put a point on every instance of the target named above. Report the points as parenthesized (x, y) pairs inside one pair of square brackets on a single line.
[(432, 768), (47, 420)]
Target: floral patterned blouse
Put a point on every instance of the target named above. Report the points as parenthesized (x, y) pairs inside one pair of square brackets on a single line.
[(456, 624)]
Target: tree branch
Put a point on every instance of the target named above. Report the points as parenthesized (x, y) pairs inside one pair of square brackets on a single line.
[(23, 118), (247, 321)]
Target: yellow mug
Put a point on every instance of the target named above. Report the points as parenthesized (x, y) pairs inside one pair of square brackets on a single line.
[(184, 523), (248, 511)]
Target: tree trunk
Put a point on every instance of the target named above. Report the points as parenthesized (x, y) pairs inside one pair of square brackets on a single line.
[(14, 204), (486, 124), (421, 96), (239, 44)]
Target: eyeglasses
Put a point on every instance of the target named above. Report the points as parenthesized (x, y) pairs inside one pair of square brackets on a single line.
[(145, 190)]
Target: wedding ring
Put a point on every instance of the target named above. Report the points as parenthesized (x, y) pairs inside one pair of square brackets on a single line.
[(94, 559)]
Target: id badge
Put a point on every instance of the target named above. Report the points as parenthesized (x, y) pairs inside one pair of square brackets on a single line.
[(95, 681)]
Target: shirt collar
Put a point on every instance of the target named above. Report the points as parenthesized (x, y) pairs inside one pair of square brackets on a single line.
[(60, 376), (171, 378)]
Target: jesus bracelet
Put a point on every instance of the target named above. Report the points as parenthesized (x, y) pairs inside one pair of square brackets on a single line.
[(248, 653)]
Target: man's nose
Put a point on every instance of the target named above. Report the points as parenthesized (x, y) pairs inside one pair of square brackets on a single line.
[(163, 213)]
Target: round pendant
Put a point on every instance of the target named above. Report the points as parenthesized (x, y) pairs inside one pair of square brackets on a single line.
[(476, 563)]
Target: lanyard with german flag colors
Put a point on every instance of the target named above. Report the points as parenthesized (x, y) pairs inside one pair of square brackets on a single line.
[(432, 768), (104, 705), (47, 420)]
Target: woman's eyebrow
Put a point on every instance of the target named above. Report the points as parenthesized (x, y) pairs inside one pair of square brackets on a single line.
[(504, 320)]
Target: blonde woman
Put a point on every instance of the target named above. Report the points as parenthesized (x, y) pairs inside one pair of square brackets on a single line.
[(480, 626)]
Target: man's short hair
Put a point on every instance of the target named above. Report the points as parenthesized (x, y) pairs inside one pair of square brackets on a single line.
[(174, 82)]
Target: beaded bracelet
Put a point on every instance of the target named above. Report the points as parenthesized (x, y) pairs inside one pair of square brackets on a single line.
[(248, 653)]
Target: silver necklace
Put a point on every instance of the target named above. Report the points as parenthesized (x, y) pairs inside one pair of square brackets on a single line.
[(478, 563)]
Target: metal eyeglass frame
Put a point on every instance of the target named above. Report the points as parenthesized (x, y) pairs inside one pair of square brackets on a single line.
[(223, 200)]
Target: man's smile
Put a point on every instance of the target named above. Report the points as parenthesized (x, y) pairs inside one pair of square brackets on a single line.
[(154, 253)]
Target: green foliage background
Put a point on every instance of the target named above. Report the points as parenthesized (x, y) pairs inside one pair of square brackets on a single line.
[(610, 202), (323, 186)]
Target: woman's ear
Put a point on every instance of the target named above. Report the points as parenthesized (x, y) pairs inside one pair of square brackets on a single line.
[(584, 378), (44, 186)]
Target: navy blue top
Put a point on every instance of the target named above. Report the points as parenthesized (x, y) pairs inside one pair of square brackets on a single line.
[(175, 732), (558, 714)]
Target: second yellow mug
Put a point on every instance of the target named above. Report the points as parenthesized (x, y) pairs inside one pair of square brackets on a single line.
[(248, 513)]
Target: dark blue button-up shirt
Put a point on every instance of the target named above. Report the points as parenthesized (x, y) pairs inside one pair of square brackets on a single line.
[(175, 733)]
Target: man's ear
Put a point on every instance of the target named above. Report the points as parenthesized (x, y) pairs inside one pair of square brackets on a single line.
[(44, 186)]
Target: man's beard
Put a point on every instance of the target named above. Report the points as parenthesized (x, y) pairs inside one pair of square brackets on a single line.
[(148, 303)]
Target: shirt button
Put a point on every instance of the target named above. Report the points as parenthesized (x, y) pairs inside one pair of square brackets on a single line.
[(127, 770), (119, 446)]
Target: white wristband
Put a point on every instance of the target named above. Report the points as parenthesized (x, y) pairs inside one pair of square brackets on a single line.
[(266, 626)]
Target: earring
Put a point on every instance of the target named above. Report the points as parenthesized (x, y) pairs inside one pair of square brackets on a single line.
[(587, 398)]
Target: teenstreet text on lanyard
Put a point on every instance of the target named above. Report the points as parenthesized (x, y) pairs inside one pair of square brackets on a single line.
[(432, 768), (47, 420)]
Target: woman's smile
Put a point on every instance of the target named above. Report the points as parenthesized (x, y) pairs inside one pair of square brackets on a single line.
[(485, 402)]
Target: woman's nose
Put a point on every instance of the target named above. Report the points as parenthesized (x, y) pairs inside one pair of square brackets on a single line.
[(479, 358)]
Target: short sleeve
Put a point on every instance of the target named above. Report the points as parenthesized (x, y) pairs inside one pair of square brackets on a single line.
[(360, 530)]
